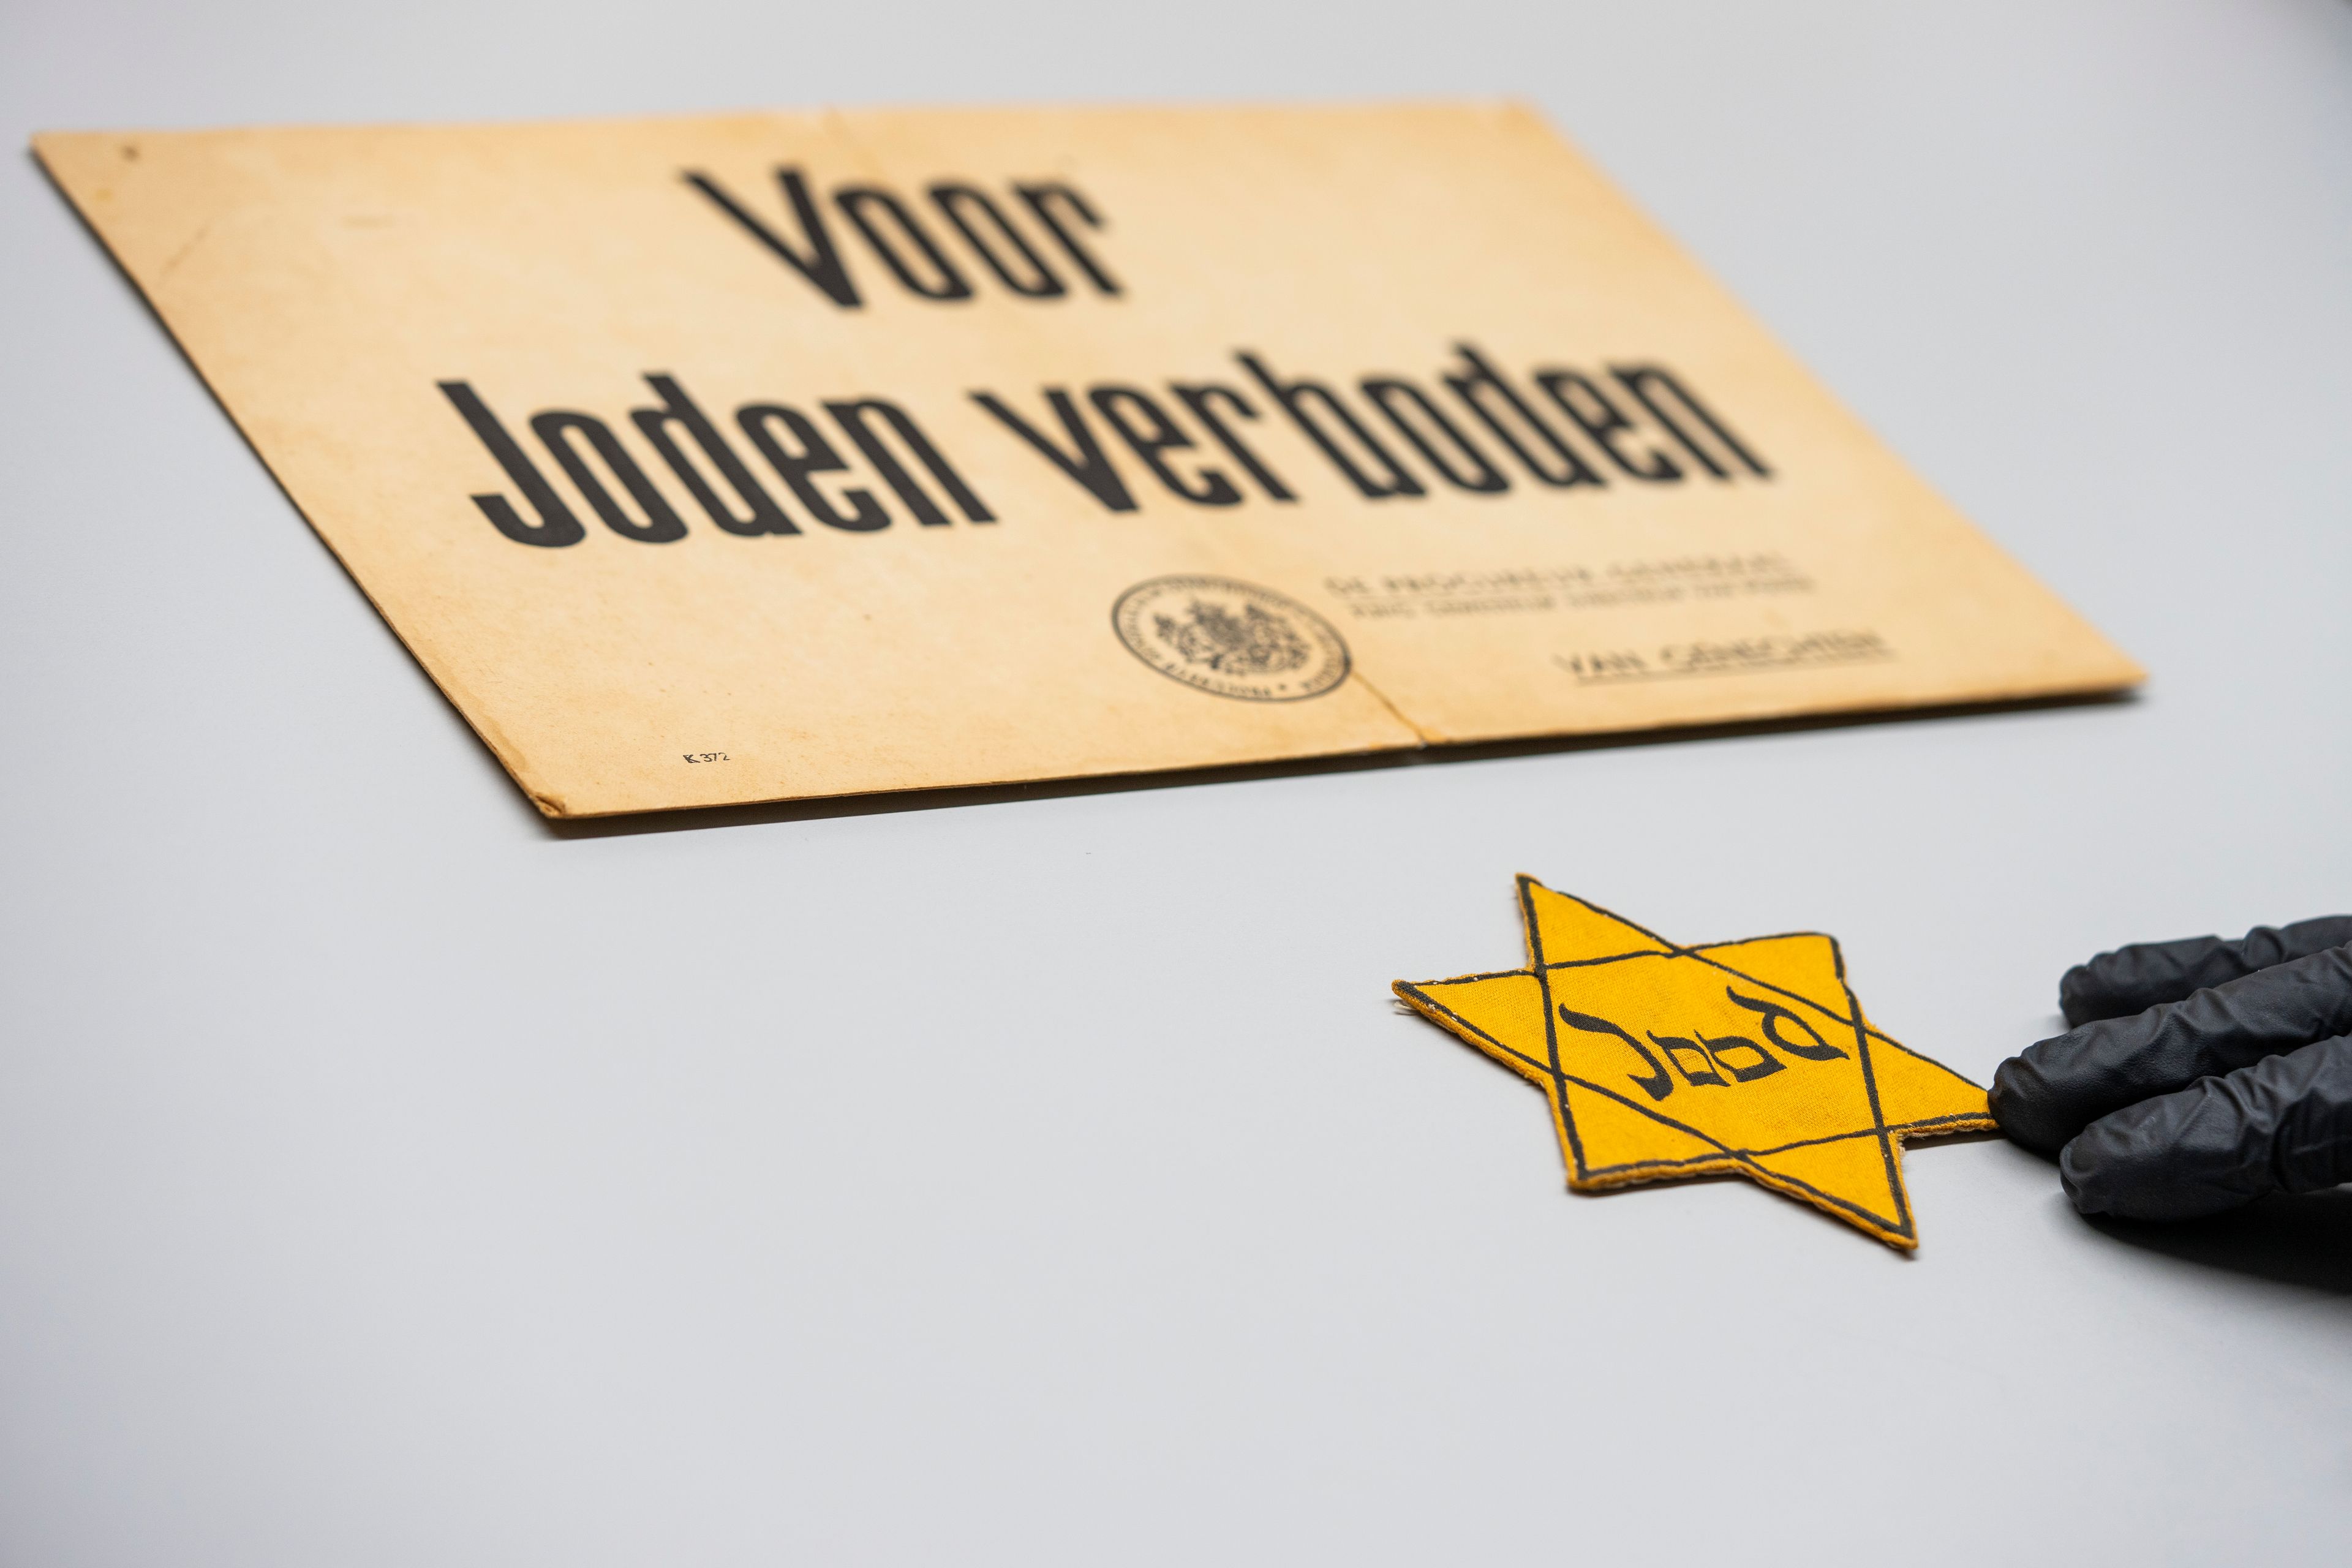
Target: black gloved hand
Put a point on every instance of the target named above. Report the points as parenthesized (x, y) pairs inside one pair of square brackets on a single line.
[(2198, 1075)]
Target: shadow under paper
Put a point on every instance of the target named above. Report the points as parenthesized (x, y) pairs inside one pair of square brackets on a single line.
[(688, 818)]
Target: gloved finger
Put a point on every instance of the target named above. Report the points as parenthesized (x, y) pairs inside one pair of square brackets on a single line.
[(2057, 1088), (2283, 1124), (2134, 978)]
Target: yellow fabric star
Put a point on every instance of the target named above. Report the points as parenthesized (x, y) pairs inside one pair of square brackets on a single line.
[(1747, 1058)]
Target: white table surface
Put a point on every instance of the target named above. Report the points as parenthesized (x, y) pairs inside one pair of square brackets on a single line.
[(388, 1178)]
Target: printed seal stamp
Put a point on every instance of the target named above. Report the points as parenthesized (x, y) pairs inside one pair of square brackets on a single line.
[(1233, 638)]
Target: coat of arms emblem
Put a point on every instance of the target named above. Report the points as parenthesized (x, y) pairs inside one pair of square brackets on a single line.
[(1231, 638), (1252, 643)]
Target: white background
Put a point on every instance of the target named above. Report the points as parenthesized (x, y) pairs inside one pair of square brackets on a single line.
[(388, 1178)]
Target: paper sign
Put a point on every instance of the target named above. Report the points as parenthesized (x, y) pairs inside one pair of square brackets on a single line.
[(771, 456)]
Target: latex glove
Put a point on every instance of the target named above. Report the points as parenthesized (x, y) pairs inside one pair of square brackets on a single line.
[(2198, 1075)]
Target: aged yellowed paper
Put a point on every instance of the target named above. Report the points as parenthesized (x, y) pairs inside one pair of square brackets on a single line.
[(778, 456)]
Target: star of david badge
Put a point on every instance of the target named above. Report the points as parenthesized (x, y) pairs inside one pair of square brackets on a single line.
[(1748, 1059)]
